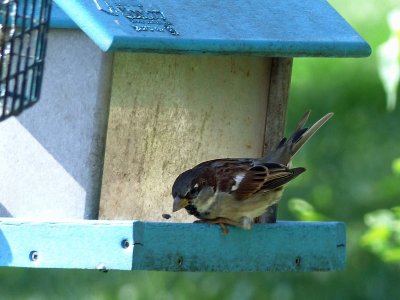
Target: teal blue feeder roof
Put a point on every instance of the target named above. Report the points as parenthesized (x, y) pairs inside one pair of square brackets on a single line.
[(288, 28), (59, 19)]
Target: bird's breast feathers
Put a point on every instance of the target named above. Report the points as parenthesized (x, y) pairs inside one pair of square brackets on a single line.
[(223, 204)]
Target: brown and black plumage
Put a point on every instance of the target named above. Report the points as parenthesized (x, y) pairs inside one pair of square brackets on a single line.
[(234, 191)]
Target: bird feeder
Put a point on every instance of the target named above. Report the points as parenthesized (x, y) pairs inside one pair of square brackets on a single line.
[(170, 84), (23, 31)]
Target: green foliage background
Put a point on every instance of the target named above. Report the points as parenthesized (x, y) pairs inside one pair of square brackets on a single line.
[(351, 173)]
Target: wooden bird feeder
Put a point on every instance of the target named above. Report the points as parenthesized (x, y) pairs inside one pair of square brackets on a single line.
[(170, 84)]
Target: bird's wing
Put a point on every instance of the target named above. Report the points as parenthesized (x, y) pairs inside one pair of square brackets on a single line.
[(263, 177)]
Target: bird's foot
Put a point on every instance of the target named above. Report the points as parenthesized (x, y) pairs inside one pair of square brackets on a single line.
[(222, 222)]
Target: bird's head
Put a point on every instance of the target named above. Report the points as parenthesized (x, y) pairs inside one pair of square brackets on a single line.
[(190, 188)]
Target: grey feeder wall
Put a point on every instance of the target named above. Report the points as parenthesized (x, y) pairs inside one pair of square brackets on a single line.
[(51, 156)]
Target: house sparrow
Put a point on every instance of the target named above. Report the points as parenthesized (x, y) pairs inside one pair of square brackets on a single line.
[(234, 191)]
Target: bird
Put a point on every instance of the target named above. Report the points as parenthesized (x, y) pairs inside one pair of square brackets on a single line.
[(235, 191)]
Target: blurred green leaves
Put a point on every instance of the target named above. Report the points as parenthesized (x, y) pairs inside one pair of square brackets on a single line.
[(304, 211), (396, 166), (389, 60), (383, 235)]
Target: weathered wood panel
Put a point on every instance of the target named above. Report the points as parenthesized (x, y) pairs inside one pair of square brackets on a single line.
[(170, 112), (278, 94)]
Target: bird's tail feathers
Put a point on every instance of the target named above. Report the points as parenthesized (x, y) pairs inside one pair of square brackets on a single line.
[(287, 148), (302, 134)]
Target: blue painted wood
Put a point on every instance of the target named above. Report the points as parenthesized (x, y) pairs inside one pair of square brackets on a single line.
[(272, 28), (79, 244), (59, 19), (284, 246)]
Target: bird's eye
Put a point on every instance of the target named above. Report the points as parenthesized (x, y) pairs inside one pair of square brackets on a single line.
[(194, 191)]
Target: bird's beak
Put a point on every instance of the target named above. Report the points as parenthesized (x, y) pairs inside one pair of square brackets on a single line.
[(179, 203)]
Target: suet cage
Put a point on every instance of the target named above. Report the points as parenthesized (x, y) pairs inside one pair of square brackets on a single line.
[(23, 36)]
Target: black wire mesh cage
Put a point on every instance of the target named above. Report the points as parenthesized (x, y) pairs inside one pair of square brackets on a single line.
[(23, 38)]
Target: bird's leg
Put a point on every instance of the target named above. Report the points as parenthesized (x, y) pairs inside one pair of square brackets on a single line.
[(222, 222), (224, 228)]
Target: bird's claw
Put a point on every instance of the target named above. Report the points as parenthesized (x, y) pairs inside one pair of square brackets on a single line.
[(222, 222), (224, 228)]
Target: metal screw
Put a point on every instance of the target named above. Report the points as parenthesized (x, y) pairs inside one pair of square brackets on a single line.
[(297, 261), (180, 262), (102, 268), (33, 255), (125, 244)]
